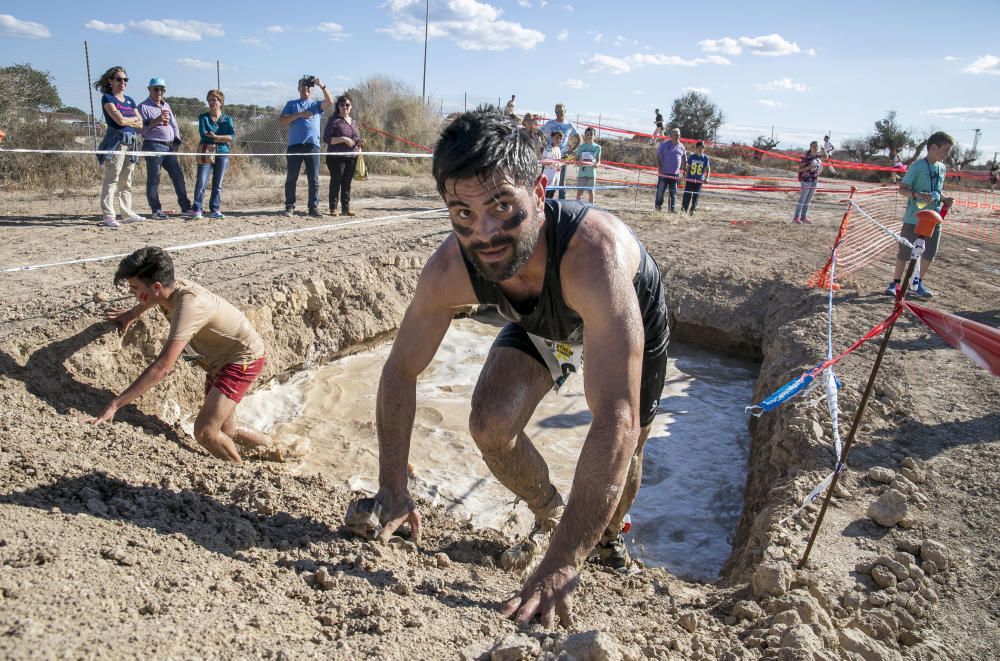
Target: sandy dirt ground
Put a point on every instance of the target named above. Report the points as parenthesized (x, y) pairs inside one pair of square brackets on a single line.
[(128, 540)]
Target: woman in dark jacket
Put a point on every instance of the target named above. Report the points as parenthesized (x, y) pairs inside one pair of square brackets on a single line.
[(342, 136)]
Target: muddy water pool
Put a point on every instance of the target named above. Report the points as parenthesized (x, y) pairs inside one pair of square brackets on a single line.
[(694, 467)]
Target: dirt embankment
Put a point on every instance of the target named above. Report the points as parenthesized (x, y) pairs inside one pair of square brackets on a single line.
[(129, 540)]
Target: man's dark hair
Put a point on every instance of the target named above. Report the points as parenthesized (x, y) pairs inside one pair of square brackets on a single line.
[(939, 138), (488, 145), (149, 264)]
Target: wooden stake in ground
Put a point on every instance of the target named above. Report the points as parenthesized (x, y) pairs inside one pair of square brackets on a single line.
[(918, 250)]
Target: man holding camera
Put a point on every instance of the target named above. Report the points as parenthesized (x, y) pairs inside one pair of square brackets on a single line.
[(160, 133), (302, 117)]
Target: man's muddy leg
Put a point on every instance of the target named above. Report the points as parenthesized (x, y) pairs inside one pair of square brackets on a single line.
[(509, 388)]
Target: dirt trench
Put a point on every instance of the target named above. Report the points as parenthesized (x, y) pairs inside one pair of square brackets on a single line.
[(129, 539)]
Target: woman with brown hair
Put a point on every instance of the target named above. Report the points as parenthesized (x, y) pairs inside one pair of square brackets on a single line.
[(217, 133), (342, 136), (123, 120)]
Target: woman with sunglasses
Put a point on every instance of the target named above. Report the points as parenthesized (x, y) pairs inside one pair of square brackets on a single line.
[(342, 135), (123, 121)]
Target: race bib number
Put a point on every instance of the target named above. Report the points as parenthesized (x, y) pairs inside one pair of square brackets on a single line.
[(562, 358)]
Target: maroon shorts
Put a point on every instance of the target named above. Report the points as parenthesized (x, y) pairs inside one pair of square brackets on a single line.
[(235, 379)]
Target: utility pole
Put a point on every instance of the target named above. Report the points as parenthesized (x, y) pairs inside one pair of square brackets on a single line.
[(975, 141), (218, 75), (427, 15), (90, 92)]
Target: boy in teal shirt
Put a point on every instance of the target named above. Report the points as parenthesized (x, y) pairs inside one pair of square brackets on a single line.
[(589, 155), (922, 185)]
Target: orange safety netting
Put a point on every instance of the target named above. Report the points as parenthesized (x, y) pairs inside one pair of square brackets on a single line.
[(873, 216)]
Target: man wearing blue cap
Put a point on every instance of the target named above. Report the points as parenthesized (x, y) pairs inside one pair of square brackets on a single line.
[(161, 134)]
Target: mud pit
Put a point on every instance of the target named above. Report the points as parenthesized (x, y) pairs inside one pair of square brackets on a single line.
[(128, 540), (695, 461)]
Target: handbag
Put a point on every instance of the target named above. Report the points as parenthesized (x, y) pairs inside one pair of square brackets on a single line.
[(360, 172), (206, 154)]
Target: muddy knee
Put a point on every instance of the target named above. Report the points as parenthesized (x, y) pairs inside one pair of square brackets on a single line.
[(492, 433)]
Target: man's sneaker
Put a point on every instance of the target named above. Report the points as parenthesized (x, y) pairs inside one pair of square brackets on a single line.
[(290, 211), (133, 218), (316, 213), (892, 289), (159, 215), (612, 552), (188, 214), (111, 221), (918, 289), (216, 214), (195, 215), (805, 221)]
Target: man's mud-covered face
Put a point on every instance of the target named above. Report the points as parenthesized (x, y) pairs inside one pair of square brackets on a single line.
[(497, 226)]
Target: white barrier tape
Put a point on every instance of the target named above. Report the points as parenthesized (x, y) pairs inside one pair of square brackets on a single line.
[(831, 378), (232, 239), (813, 495), (105, 152)]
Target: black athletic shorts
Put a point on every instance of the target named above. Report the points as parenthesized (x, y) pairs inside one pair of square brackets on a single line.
[(654, 367)]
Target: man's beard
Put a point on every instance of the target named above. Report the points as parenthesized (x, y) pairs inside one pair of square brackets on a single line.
[(500, 271)]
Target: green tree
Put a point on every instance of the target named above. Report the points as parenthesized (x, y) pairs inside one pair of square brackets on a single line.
[(765, 143), (187, 107), (889, 135), (696, 116), (861, 149), (24, 89)]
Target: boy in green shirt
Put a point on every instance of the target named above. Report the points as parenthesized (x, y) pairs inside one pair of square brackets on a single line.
[(589, 155), (922, 185)]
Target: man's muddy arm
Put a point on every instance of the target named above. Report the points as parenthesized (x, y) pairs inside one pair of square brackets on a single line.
[(424, 325), (151, 376)]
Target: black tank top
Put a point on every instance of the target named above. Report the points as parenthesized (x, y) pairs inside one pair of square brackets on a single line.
[(549, 316)]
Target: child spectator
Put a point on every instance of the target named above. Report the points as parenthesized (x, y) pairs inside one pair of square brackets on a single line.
[(550, 160), (698, 171), (589, 155)]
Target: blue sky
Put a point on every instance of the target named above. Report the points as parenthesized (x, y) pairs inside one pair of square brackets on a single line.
[(804, 68)]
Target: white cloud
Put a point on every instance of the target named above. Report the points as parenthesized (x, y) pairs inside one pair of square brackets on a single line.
[(524, 3), (101, 26), (620, 40), (275, 28), (252, 41), (950, 58), (574, 84), (606, 64), (769, 103), (986, 64), (568, 7), (785, 83), (195, 64), (471, 24), (726, 45), (770, 44), (335, 30), (563, 35), (172, 28), (699, 90), (601, 63), (15, 27), (977, 112)]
